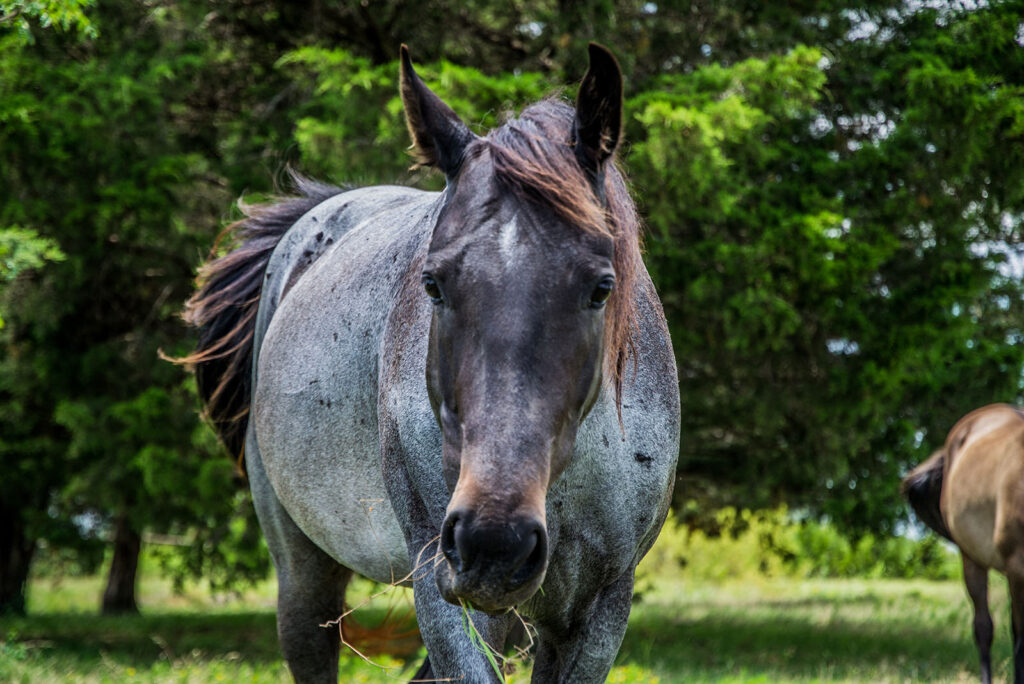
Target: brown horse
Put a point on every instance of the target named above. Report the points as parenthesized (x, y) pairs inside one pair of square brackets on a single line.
[(971, 491)]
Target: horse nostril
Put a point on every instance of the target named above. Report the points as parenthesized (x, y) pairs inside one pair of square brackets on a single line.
[(465, 544), (448, 545), (526, 550), (533, 557)]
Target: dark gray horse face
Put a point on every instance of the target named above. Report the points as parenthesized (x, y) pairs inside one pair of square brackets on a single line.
[(516, 342), (516, 351)]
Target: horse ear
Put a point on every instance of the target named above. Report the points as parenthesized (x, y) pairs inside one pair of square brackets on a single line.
[(598, 111), (439, 136)]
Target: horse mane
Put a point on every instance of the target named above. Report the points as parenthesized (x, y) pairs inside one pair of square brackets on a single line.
[(225, 303), (533, 156)]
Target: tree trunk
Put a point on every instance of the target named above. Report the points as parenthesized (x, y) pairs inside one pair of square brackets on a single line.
[(119, 596), (16, 552)]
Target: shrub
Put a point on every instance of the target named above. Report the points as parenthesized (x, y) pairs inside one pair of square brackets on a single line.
[(744, 544)]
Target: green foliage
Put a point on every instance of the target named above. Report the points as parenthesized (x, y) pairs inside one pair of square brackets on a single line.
[(98, 154), (67, 15), (131, 453), (748, 253), (819, 551), (828, 243), (22, 249), (352, 125), (747, 545)]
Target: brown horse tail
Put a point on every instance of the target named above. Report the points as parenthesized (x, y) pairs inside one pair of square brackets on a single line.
[(225, 303), (922, 488)]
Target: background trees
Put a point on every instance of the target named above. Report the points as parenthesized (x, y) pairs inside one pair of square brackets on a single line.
[(829, 229), (832, 191)]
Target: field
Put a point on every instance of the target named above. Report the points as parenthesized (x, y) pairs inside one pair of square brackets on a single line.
[(750, 630)]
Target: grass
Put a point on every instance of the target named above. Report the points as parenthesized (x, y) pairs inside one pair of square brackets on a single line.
[(191, 637), (738, 631), (811, 631)]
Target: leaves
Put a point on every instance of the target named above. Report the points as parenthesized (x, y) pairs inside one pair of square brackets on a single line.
[(22, 249), (66, 15)]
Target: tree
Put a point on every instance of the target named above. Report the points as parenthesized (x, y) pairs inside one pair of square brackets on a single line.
[(98, 155), (829, 235), (20, 250)]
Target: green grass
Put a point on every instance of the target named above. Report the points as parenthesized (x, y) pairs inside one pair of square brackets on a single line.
[(811, 631), (191, 637), (752, 630)]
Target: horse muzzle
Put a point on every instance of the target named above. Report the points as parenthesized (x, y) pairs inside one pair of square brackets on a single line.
[(492, 565)]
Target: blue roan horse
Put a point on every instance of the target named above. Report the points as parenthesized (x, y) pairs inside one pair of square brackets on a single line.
[(471, 391)]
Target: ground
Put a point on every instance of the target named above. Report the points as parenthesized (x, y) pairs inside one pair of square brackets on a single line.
[(735, 631)]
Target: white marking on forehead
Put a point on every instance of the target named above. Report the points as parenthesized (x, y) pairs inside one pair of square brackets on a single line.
[(508, 241)]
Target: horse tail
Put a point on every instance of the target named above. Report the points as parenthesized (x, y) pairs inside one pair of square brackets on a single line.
[(225, 303), (922, 489)]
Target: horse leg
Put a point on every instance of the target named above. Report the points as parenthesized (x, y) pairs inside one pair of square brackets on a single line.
[(311, 584), (584, 650), (1016, 582), (976, 579), (446, 631), (311, 591), (452, 654)]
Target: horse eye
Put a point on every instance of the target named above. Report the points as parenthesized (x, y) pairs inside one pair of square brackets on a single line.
[(601, 293), (433, 291)]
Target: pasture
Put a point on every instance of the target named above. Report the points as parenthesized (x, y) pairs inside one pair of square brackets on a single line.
[(686, 628)]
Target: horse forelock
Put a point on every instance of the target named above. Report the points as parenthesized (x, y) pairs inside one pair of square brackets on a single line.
[(533, 157)]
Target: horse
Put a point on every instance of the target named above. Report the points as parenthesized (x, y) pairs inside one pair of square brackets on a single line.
[(971, 491), (471, 392)]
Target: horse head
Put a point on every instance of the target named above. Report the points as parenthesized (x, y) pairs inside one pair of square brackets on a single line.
[(521, 271)]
